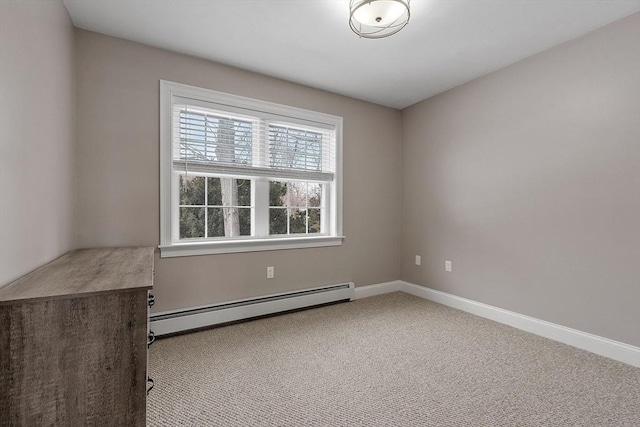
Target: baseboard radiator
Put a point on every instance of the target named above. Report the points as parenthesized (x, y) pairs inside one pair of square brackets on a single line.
[(176, 321)]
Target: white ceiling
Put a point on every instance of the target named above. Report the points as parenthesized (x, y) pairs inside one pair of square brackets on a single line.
[(447, 42)]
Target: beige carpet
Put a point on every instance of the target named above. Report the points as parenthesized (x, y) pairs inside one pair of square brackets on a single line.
[(391, 360)]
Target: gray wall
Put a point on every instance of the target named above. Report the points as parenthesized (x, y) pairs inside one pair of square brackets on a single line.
[(528, 179), (36, 135), (118, 175)]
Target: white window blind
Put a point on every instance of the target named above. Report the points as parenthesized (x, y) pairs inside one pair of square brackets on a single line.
[(218, 141)]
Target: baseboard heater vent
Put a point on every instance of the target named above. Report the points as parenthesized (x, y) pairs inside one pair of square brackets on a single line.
[(170, 322)]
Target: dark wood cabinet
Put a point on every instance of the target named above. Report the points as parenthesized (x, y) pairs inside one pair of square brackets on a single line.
[(73, 340)]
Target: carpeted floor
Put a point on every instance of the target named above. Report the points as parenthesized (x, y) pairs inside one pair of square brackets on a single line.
[(390, 360)]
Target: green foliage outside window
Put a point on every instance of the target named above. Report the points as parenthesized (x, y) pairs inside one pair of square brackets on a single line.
[(295, 207), (300, 201), (192, 193)]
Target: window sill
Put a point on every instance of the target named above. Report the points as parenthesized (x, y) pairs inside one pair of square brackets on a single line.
[(255, 245)]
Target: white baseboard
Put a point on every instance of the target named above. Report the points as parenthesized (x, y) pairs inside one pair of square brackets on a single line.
[(599, 345), (378, 289)]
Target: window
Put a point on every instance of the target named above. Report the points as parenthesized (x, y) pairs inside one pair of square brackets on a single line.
[(238, 174)]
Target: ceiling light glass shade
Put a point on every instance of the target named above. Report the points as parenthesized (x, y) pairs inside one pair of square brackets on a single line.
[(375, 19)]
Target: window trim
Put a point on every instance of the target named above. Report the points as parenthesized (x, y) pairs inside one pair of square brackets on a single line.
[(168, 248)]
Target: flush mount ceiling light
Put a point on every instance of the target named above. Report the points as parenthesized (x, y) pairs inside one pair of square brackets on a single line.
[(375, 19)]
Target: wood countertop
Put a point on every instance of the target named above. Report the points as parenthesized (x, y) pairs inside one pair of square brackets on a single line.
[(84, 272)]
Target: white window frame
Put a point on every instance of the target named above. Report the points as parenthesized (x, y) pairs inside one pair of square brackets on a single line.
[(170, 246)]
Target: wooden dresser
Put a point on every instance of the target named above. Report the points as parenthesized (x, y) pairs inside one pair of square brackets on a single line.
[(73, 341)]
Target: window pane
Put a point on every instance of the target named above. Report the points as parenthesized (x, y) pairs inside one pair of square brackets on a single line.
[(215, 222), (297, 221), (191, 223), (245, 221), (277, 221), (297, 194), (211, 138), (214, 196), (191, 190), (314, 194), (231, 218), (296, 149), (228, 192), (314, 220), (244, 192), (229, 222), (277, 193)]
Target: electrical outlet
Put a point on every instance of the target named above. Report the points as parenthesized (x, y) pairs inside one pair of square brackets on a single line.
[(271, 272), (447, 266), (418, 260)]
